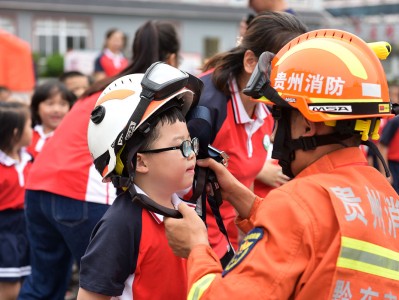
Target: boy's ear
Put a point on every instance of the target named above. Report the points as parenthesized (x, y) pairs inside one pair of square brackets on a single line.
[(141, 164)]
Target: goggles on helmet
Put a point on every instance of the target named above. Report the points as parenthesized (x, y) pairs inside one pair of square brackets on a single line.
[(162, 80), (187, 147)]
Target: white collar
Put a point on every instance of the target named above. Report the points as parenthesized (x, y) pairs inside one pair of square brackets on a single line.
[(9, 161), (158, 217), (39, 129), (113, 55)]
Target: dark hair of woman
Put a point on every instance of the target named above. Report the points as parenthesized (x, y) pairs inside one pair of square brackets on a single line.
[(269, 31), (154, 41)]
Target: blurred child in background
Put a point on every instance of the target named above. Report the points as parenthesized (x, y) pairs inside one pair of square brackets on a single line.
[(15, 161), (111, 60), (75, 81), (50, 103)]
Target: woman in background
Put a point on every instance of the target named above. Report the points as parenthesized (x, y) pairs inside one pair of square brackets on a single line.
[(111, 60), (240, 126)]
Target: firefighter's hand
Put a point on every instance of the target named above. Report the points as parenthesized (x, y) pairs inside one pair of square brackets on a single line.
[(232, 190), (185, 233)]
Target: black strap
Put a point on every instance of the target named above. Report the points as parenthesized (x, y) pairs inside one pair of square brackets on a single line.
[(200, 184), (215, 200), (134, 120), (199, 122), (351, 108), (379, 155), (311, 142), (149, 204)]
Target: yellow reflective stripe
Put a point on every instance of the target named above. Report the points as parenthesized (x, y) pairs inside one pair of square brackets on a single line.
[(367, 268), (200, 287), (369, 247), (368, 258)]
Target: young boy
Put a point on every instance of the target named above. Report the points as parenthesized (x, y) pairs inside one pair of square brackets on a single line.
[(128, 254)]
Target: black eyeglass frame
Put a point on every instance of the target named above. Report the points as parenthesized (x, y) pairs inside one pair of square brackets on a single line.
[(194, 143)]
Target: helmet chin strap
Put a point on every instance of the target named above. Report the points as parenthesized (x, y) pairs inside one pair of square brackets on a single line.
[(284, 145)]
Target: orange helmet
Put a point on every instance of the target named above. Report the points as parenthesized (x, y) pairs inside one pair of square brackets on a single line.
[(330, 75)]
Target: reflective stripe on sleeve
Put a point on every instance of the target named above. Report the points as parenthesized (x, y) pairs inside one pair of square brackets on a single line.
[(200, 287), (368, 258)]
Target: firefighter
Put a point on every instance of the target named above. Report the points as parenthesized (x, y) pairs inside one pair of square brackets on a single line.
[(332, 232)]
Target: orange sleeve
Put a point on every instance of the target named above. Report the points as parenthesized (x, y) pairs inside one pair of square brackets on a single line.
[(201, 261), (267, 266), (247, 224)]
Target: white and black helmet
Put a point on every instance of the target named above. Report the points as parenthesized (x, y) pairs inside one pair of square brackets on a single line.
[(128, 103)]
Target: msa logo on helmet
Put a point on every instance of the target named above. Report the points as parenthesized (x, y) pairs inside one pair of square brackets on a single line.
[(332, 108)]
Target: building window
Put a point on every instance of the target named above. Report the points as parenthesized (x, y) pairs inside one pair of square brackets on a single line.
[(60, 35), (7, 24)]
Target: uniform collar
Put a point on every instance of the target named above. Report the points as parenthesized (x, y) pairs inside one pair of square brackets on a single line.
[(240, 114), (115, 57), (39, 129), (9, 161), (158, 217), (336, 159)]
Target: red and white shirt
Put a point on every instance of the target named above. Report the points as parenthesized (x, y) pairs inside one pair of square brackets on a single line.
[(39, 138), (65, 166), (129, 257), (12, 180), (110, 63)]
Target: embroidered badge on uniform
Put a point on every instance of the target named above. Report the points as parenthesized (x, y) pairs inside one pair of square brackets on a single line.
[(246, 246)]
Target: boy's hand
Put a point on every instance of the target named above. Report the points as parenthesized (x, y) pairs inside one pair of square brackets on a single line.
[(185, 233)]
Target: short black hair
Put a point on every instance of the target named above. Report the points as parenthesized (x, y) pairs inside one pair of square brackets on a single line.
[(64, 76), (170, 116), (13, 116)]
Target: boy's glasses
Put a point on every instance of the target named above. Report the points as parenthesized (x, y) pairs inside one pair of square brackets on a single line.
[(186, 147)]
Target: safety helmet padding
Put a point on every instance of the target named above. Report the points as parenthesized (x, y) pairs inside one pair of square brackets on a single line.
[(119, 101)]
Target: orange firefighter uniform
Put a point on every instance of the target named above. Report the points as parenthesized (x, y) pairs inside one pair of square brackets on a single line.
[(331, 233)]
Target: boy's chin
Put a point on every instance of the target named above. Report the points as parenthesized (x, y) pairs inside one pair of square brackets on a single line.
[(184, 191)]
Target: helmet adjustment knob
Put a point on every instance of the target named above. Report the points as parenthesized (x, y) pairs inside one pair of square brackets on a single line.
[(98, 114)]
